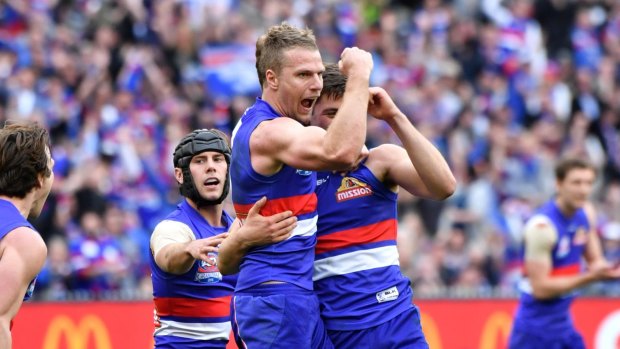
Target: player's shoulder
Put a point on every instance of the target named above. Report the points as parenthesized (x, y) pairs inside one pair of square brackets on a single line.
[(23, 233), (385, 152), (276, 128), (170, 225), (269, 131), (171, 231), (280, 132), (539, 221), (383, 155), (26, 241), (540, 228)]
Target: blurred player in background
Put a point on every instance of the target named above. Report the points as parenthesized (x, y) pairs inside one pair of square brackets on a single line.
[(366, 302), (275, 156), (26, 178), (192, 298), (556, 239)]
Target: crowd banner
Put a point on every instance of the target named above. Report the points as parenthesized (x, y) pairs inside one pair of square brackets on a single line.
[(448, 324)]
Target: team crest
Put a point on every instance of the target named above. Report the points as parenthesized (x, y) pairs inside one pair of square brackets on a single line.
[(563, 247), (352, 188), (580, 237), (207, 270)]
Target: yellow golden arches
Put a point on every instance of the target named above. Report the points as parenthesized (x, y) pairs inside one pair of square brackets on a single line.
[(77, 336), (431, 331), (496, 331)]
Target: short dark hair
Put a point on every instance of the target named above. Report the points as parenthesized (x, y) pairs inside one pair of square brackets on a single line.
[(279, 38), (334, 82), (564, 166), (22, 158)]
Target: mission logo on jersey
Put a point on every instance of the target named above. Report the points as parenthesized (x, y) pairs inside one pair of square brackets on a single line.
[(352, 188)]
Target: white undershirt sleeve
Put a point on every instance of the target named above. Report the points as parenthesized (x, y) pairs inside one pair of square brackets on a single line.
[(169, 232)]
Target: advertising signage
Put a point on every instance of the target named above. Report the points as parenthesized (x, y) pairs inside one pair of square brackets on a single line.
[(447, 324)]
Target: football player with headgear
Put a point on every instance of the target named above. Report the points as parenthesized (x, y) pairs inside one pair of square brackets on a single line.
[(192, 298)]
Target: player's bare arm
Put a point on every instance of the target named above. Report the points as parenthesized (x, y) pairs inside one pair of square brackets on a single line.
[(601, 268), (176, 249), (23, 253), (256, 230), (540, 236), (593, 253), (418, 167), (283, 140)]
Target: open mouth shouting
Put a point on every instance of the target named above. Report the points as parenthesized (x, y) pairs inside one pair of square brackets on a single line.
[(308, 103), (211, 183)]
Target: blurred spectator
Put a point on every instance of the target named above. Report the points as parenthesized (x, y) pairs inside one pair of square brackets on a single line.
[(96, 257), (55, 277), (455, 257), (556, 18), (609, 230), (585, 38)]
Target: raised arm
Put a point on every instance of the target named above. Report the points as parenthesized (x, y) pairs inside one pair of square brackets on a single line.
[(22, 255), (418, 167), (256, 230), (283, 140)]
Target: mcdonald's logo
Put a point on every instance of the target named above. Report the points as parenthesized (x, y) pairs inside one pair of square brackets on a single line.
[(89, 332), (496, 331), (431, 331)]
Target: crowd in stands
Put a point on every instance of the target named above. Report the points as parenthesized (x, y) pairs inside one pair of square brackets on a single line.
[(504, 88)]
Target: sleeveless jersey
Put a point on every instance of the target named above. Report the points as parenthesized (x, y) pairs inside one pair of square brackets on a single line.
[(291, 189), (357, 274), (11, 219), (552, 315), (192, 310)]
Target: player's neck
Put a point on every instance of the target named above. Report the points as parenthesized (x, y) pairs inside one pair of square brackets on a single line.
[(566, 209), (23, 205), (211, 213), (271, 98)]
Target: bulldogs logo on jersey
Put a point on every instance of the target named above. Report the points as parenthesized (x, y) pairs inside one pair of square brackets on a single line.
[(580, 237), (563, 247), (207, 270), (30, 289), (352, 188)]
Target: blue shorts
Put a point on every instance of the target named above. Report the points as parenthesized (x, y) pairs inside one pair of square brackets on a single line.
[(278, 316), (187, 343), (570, 339), (402, 332)]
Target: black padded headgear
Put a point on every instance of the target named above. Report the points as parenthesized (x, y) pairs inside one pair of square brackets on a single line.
[(191, 145)]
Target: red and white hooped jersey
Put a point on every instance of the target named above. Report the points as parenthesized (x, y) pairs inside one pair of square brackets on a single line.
[(357, 274)]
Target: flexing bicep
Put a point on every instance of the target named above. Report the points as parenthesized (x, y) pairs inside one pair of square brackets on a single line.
[(286, 141), (391, 164), (540, 236)]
